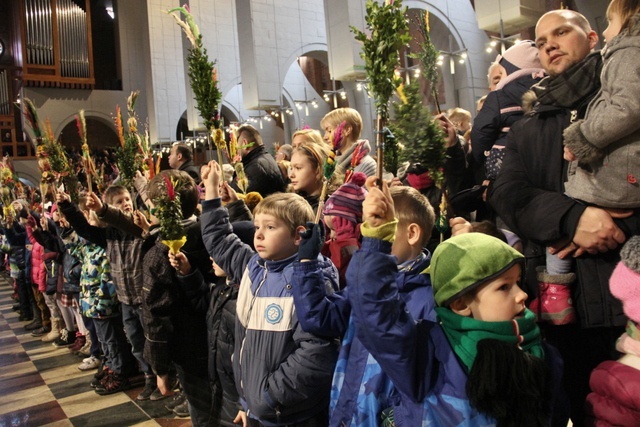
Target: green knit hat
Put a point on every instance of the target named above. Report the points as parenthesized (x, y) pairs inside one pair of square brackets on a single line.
[(463, 263)]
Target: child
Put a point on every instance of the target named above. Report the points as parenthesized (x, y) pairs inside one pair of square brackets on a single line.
[(350, 141), (360, 390), (604, 149), (483, 362), (125, 258), (342, 215), (305, 172), (283, 374), (98, 301), (503, 107), (221, 317), (616, 399), (176, 334)]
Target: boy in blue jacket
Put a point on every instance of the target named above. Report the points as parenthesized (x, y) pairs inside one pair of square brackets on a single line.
[(283, 374), (360, 390), (483, 363)]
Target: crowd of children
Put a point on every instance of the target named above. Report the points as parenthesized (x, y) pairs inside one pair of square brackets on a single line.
[(269, 316)]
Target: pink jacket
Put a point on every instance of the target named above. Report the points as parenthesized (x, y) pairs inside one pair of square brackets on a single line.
[(615, 400), (38, 270)]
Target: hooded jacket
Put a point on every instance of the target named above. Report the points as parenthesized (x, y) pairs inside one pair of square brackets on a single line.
[(283, 374), (607, 142), (262, 171)]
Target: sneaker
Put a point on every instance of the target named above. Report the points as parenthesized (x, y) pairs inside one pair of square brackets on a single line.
[(90, 363), (147, 391), (157, 395), (113, 383), (66, 339), (182, 410), (176, 400), (36, 324), (78, 343), (42, 330)]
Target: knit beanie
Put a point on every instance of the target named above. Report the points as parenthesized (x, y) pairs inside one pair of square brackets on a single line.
[(464, 262), (521, 56), (625, 279), (346, 201)]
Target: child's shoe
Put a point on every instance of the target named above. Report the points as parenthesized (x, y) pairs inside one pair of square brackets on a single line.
[(54, 333), (78, 343), (42, 330), (150, 384), (66, 339), (90, 363), (85, 350), (113, 383), (182, 410), (554, 303), (36, 324), (99, 376)]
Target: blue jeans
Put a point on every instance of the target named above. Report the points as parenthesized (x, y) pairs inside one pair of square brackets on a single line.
[(114, 344), (197, 389), (96, 347), (132, 319)]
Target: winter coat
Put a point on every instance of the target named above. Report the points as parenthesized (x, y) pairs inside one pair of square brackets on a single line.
[(282, 373), (221, 318), (607, 142), (38, 267), (262, 172), (529, 196), (193, 171), (53, 256), (124, 252), (615, 400), (16, 238), (500, 111), (174, 331), (360, 389), (429, 380), (98, 299)]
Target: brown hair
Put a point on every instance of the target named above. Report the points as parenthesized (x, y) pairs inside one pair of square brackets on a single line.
[(412, 207), (184, 185), (291, 208), (112, 191), (184, 150)]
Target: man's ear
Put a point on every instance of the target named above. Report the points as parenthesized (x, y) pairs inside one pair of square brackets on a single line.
[(297, 237), (592, 36), (414, 234), (461, 307)]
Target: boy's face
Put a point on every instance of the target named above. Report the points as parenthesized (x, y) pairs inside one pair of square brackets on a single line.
[(273, 239), (499, 300), (123, 202), (219, 272)]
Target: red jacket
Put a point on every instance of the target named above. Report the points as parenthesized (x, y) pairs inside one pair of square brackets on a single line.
[(615, 400)]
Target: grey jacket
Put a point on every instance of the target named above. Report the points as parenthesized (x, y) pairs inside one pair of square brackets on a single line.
[(607, 142)]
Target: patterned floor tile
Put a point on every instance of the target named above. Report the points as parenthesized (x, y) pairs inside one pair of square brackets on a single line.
[(125, 414)]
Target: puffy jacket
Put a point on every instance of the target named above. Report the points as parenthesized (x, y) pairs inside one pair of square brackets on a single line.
[(98, 297), (262, 172), (174, 331), (283, 373), (16, 239), (615, 400), (360, 389), (429, 379), (38, 267)]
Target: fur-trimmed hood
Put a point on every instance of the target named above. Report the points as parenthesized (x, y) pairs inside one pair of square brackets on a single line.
[(529, 100)]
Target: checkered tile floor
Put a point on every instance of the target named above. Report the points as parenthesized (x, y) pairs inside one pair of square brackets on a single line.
[(41, 385)]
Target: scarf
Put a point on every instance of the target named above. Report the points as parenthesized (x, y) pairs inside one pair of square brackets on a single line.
[(573, 88), (464, 333), (345, 157)]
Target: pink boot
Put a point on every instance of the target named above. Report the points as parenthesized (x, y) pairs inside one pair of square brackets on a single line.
[(554, 304)]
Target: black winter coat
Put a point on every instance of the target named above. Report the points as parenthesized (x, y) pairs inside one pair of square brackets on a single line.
[(262, 172)]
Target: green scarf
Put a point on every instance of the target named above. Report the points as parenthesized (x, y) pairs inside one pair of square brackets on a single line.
[(464, 333)]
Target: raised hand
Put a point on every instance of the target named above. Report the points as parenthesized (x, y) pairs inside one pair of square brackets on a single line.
[(377, 208)]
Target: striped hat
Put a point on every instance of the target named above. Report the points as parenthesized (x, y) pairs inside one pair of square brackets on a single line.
[(346, 201)]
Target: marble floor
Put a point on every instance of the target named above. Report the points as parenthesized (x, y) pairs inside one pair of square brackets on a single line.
[(40, 384)]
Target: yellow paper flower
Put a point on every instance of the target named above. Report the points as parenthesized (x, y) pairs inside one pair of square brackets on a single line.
[(175, 245)]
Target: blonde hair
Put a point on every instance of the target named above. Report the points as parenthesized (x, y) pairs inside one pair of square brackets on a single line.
[(625, 8), (349, 115), (290, 208), (412, 207), (309, 135)]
